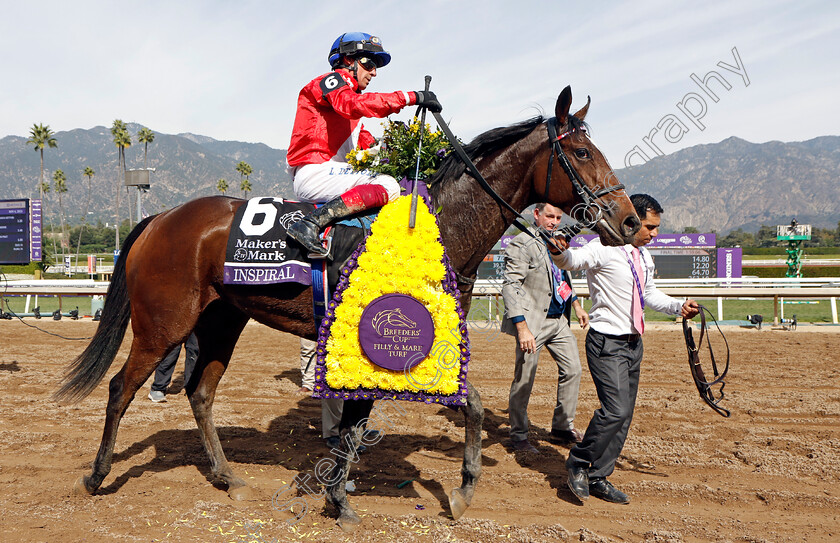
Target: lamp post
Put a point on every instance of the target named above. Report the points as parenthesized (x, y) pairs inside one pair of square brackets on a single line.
[(140, 178)]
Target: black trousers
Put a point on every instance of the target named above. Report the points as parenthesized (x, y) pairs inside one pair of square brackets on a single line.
[(164, 371), (614, 363)]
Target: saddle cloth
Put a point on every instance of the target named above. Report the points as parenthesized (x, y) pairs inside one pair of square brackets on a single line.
[(258, 252)]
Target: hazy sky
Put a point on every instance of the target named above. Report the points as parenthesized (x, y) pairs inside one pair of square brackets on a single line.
[(231, 70)]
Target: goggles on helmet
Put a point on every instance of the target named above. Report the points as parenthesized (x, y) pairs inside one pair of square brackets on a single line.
[(356, 44)]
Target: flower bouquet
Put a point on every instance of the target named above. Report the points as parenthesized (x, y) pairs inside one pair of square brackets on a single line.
[(396, 154)]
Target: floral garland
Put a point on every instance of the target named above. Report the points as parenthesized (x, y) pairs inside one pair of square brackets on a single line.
[(423, 272)]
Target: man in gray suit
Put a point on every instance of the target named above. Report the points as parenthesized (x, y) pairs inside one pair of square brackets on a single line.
[(538, 300)]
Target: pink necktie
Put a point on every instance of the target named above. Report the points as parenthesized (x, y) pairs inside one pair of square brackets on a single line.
[(637, 312)]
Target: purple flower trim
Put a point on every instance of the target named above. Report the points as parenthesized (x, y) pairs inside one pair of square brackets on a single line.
[(450, 286)]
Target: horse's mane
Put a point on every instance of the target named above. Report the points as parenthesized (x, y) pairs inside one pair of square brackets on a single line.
[(488, 142), (483, 145)]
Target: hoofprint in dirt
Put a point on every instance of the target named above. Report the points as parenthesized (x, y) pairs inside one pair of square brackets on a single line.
[(766, 474)]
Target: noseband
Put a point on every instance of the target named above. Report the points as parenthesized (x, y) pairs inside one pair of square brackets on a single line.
[(588, 197)]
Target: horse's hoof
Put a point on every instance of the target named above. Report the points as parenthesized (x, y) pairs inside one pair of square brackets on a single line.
[(240, 493), (80, 488), (349, 521), (457, 503)]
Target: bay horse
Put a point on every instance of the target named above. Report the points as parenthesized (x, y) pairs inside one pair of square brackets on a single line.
[(169, 282)]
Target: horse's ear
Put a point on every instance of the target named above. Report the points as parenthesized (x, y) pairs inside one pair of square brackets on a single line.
[(564, 102), (582, 113)]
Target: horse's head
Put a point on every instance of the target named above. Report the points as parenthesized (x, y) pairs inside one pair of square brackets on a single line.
[(592, 196)]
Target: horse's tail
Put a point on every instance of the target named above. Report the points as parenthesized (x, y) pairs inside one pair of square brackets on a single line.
[(88, 369)]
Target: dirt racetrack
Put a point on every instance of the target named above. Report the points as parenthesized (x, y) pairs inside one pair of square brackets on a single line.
[(769, 473)]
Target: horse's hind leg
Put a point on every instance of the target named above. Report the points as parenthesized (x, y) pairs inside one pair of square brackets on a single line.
[(460, 498), (121, 390), (217, 331)]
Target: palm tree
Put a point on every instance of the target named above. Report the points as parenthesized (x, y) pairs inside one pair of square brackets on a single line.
[(121, 135), (123, 140), (40, 136), (246, 187), (89, 173), (244, 170), (60, 181), (145, 136), (222, 186)]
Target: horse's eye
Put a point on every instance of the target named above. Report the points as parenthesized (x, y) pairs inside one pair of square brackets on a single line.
[(582, 153)]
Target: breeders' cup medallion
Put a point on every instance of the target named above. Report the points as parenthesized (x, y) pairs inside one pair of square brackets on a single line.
[(396, 332)]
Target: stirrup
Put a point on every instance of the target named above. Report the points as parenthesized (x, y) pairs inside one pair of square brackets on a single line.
[(326, 254)]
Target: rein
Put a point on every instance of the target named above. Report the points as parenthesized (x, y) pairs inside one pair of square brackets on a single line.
[(704, 387), (517, 217), (586, 194)]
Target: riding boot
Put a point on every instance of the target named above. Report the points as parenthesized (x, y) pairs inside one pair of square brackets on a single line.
[(306, 230), (360, 198)]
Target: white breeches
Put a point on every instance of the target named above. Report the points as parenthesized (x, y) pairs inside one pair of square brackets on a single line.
[(323, 182)]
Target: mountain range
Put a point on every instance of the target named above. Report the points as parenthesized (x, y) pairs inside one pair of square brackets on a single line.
[(186, 166), (737, 184), (722, 186)]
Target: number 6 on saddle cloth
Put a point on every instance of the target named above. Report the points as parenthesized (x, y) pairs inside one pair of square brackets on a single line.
[(704, 386)]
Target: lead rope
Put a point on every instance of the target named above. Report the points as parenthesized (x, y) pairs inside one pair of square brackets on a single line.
[(705, 387)]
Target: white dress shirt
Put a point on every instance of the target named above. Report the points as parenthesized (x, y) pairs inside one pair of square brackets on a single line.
[(611, 285)]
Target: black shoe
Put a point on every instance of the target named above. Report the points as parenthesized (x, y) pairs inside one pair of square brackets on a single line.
[(601, 488), (565, 437), (578, 481), (306, 233), (524, 446)]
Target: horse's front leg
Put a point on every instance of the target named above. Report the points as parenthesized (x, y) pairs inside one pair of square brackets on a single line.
[(460, 498), (353, 412)]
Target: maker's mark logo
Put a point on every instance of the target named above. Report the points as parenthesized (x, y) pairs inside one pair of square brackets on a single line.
[(392, 318), (287, 219), (240, 255)]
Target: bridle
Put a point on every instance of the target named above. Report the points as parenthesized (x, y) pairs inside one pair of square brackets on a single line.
[(589, 198), (704, 387)]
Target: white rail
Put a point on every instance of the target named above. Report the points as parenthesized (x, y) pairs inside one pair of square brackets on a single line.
[(719, 288)]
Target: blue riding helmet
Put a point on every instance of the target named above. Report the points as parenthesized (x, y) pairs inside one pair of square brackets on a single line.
[(354, 44)]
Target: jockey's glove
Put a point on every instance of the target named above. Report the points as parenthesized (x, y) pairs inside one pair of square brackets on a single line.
[(428, 100)]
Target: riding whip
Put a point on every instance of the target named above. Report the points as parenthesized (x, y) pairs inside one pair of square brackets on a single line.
[(412, 217)]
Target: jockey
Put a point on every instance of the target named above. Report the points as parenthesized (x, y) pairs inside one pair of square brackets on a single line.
[(327, 127)]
